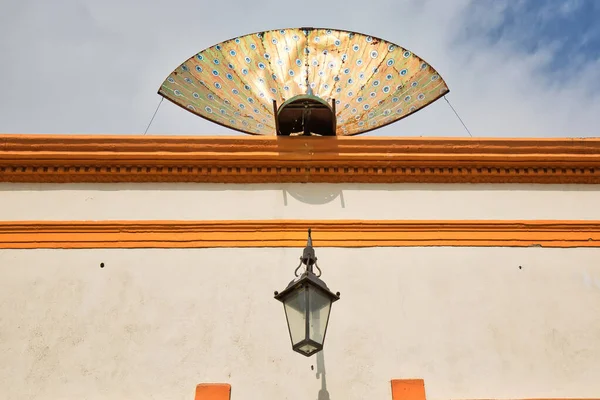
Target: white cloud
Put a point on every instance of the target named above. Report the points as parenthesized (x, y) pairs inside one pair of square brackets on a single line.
[(83, 66)]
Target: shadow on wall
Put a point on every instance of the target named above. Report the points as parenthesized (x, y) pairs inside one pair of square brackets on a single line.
[(323, 393), (314, 194)]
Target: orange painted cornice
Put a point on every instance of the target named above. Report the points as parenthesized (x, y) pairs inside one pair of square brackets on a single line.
[(213, 391), (402, 389), (249, 159), (292, 233)]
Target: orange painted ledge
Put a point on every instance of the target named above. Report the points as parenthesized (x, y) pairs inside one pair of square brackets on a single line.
[(408, 389), (292, 233), (402, 389), (249, 159), (213, 391)]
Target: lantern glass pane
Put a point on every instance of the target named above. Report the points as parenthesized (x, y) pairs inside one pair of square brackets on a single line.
[(295, 312), (319, 305)]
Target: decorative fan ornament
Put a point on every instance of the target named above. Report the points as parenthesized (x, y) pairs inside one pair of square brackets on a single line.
[(304, 81)]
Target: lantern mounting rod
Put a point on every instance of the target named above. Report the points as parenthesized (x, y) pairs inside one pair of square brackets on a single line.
[(308, 258)]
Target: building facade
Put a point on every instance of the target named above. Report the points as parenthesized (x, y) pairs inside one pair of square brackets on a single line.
[(141, 267)]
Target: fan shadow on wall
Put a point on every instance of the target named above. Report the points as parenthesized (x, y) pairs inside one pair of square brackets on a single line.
[(314, 194)]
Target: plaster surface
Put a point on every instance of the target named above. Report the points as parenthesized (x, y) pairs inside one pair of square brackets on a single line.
[(297, 201), (151, 324)]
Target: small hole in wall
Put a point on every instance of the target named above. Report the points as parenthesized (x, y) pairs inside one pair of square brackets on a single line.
[(520, 267), (102, 265)]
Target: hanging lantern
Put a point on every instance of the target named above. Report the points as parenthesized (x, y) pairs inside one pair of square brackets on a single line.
[(307, 303)]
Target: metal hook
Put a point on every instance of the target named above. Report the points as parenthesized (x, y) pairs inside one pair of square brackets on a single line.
[(320, 272), (297, 268)]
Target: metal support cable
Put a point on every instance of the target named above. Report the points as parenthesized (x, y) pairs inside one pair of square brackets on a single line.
[(458, 116), (154, 115)]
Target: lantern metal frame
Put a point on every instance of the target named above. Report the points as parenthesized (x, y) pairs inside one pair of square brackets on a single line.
[(308, 279)]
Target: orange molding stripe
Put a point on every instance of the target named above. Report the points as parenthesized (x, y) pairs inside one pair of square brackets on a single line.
[(250, 159), (213, 391), (402, 389), (408, 389), (292, 233)]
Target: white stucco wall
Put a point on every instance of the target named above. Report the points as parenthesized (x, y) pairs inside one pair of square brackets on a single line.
[(153, 323), (296, 201)]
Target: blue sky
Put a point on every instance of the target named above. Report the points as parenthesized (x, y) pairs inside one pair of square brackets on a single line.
[(515, 67), (571, 28)]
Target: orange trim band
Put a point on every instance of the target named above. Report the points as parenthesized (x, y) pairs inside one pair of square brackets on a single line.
[(402, 389), (408, 389), (248, 159), (282, 233), (213, 391)]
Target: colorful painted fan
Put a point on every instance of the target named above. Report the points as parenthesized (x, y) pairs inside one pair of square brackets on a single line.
[(304, 81)]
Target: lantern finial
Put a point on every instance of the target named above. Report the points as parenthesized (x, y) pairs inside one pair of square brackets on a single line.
[(308, 255)]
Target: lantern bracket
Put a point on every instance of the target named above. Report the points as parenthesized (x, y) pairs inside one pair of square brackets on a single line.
[(308, 258)]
